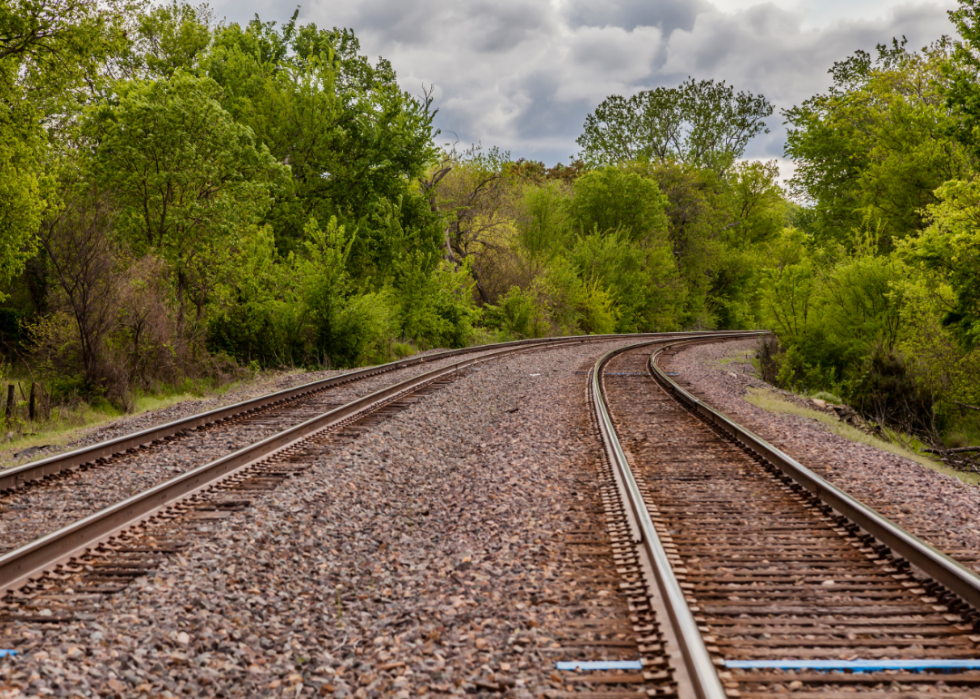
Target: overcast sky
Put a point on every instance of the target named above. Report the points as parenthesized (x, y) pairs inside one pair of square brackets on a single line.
[(523, 74)]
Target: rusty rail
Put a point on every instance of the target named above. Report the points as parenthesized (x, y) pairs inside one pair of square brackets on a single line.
[(18, 476), (943, 569)]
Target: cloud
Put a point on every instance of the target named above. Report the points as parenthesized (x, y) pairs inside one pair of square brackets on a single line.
[(523, 74), (666, 15), (771, 51)]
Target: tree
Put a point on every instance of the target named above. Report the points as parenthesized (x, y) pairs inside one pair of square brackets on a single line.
[(188, 179), (611, 199), (472, 196), (950, 248), (166, 39), (77, 239), (701, 122), (351, 136), (963, 91), (872, 151), (48, 50)]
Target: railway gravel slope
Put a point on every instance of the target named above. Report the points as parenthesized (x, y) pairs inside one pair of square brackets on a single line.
[(429, 556), (42, 508), (938, 508)]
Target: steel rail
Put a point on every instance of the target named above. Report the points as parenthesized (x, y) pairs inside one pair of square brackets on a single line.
[(19, 566), (701, 672), (953, 575), (13, 478)]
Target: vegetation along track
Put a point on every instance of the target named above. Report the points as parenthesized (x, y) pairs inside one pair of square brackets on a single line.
[(769, 579), (57, 576)]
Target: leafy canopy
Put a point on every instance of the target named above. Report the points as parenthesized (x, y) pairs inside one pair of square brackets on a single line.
[(701, 122), (188, 179), (871, 152)]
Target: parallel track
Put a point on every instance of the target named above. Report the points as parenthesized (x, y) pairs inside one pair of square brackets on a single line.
[(291, 405), (101, 553), (753, 558)]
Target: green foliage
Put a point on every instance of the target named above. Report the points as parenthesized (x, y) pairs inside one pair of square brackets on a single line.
[(612, 199), (189, 179), (642, 281), (166, 39), (49, 53), (701, 123), (950, 248), (543, 222), (518, 315), (20, 191), (351, 137), (963, 92), (872, 151)]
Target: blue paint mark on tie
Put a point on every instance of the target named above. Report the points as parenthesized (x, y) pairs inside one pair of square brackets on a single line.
[(855, 665), (600, 665)]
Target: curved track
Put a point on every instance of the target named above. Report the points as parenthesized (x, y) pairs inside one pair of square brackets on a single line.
[(54, 575), (767, 579), (41, 497)]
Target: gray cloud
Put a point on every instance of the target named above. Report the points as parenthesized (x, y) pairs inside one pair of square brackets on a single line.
[(666, 15), (485, 26), (523, 74)]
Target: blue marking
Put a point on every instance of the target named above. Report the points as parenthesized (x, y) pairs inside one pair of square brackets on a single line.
[(600, 665), (7, 652), (855, 665)]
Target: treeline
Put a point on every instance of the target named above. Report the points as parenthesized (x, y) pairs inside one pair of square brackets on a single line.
[(876, 294), (184, 197)]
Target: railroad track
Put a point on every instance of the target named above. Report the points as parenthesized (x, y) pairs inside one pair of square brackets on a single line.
[(290, 406), (64, 574), (750, 576), (43, 496)]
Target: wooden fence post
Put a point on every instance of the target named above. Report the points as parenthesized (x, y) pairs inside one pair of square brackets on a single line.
[(10, 404)]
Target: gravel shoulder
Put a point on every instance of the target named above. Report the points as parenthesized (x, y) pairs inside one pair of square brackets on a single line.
[(936, 507), (128, 424), (425, 558), (46, 507)]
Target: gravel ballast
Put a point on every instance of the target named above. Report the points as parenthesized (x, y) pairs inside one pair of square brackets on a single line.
[(936, 507), (426, 557), (42, 508)]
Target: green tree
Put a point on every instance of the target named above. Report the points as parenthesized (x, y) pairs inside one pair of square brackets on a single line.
[(352, 138), (950, 249), (613, 199), (168, 38), (962, 89), (49, 53), (187, 178), (874, 148), (701, 122)]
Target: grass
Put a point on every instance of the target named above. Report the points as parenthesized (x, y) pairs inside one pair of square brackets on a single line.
[(67, 425), (773, 403), (742, 357), (965, 432)]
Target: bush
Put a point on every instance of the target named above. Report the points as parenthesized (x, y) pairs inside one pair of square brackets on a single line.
[(888, 393)]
